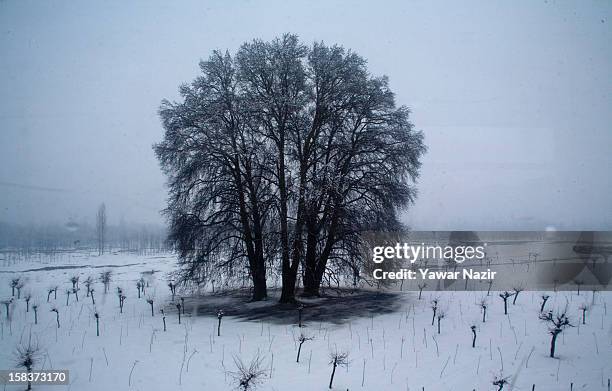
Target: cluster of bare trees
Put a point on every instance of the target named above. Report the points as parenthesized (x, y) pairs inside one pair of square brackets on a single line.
[(280, 156)]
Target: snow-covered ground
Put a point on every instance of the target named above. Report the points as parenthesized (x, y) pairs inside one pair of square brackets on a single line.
[(400, 350)]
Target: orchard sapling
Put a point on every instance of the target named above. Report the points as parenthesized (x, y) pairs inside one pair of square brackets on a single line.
[(68, 292), (56, 316), (7, 303), (219, 316), (35, 309), (163, 318), (249, 377), (421, 287), (142, 285), (119, 294), (178, 308), (505, 297), (49, 291), (337, 359), (27, 357), (558, 322), (584, 308), (76, 293), (88, 283), (93, 299), (544, 300), (138, 286), (106, 278), (14, 283), (27, 299), (473, 328), (97, 316), (172, 287), (483, 305), (301, 339), (578, 284), (441, 315), (434, 307), (121, 301), (500, 382), (75, 281), (517, 289), (150, 301)]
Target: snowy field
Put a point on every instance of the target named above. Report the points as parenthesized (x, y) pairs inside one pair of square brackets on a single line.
[(396, 350)]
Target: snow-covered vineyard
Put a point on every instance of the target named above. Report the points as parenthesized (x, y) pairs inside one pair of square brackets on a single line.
[(398, 350)]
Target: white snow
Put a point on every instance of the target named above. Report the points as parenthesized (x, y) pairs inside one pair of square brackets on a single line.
[(400, 351)]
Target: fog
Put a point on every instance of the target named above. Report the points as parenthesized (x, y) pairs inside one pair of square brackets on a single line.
[(513, 98)]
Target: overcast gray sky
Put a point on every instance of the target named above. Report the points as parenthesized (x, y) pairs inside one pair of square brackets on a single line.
[(513, 98)]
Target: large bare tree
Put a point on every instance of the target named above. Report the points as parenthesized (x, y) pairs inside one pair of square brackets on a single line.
[(285, 153)]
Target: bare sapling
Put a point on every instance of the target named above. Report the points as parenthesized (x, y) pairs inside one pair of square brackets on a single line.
[(49, 291), (219, 317), (27, 298), (584, 308), (88, 283), (75, 281), (163, 318), (76, 293), (27, 356), (473, 328), (172, 287), (544, 300), (121, 301), (93, 299), (558, 323), (441, 315), (7, 303), (138, 286), (337, 359), (434, 307), (35, 309), (142, 285), (483, 305), (500, 382), (301, 339), (248, 377), (178, 310), (150, 301), (106, 278), (68, 292), (19, 288), (517, 289), (505, 297), (56, 316), (97, 316), (14, 283), (578, 285), (421, 287)]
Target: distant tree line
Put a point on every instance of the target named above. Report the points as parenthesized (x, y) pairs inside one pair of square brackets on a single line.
[(278, 158), (50, 238)]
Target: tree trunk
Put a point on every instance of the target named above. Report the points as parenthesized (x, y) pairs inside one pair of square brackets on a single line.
[(331, 380), (553, 341), (298, 355)]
